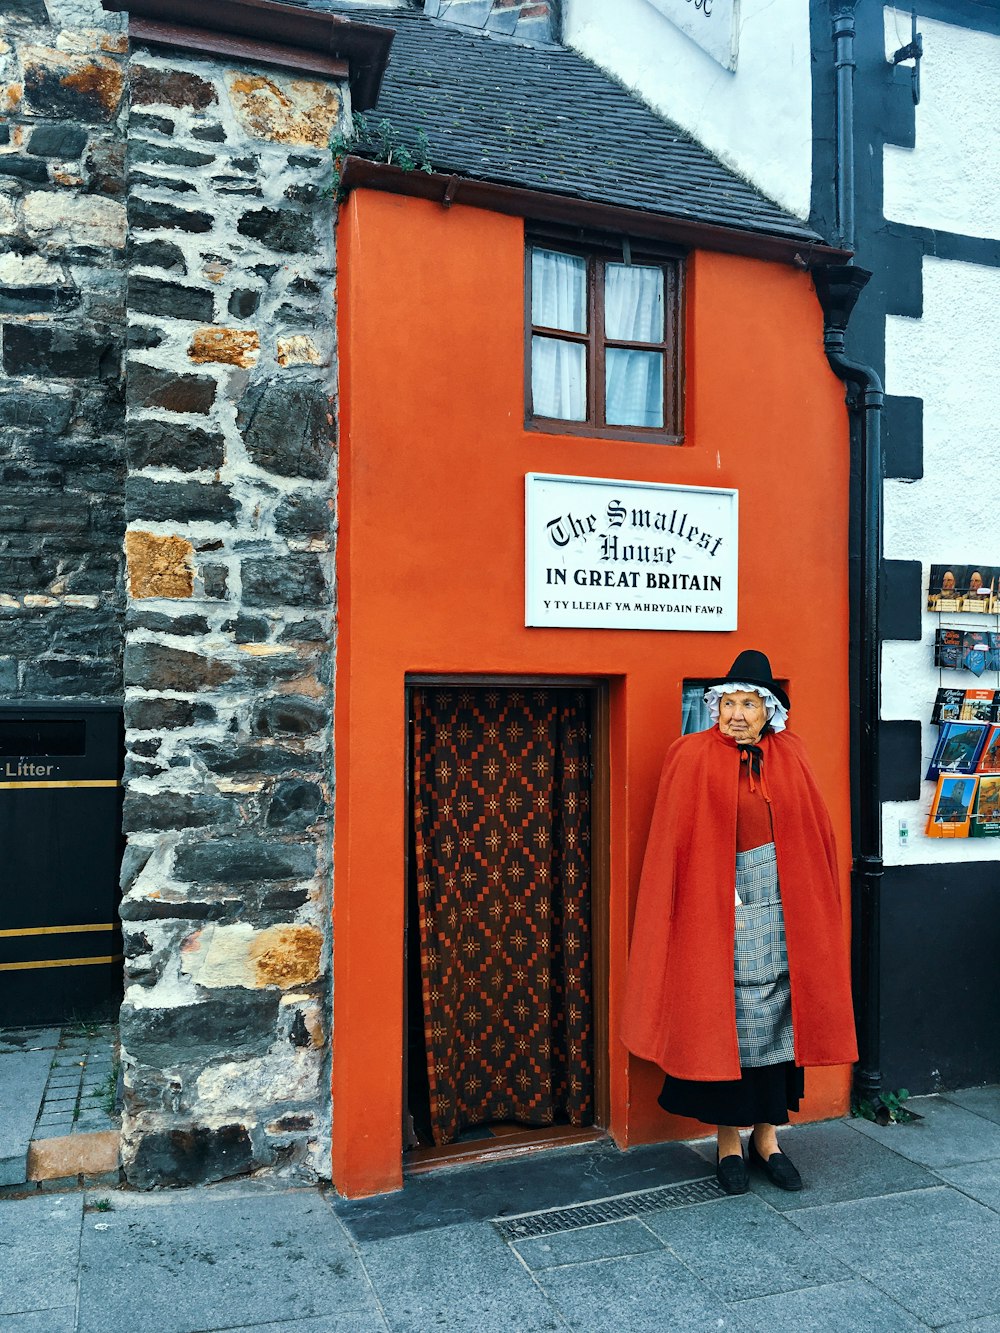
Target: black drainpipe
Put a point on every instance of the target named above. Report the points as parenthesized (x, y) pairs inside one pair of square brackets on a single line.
[(838, 287), (844, 62)]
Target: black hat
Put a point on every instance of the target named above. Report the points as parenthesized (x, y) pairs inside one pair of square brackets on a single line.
[(752, 668)]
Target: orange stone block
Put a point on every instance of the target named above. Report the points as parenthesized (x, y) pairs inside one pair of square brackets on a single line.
[(100, 78), (159, 566), (286, 956), (73, 1155), (291, 111), (230, 347)]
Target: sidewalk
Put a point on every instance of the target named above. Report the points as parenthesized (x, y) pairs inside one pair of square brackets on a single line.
[(58, 1092), (897, 1229)]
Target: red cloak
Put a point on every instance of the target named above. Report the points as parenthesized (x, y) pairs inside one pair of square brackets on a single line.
[(680, 1004)]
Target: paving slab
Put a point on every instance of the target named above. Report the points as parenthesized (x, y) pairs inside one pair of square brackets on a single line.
[(980, 1180), (464, 1279), (836, 1164), (607, 1240), (452, 1196), (206, 1260), (988, 1324), (22, 1085), (934, 1251), (947, 1136), (39, 1248), (983, 1101), (838, 1305), (740, 1248), (28, 1039), (637, 1293), (61, 1320), (332, 1323)]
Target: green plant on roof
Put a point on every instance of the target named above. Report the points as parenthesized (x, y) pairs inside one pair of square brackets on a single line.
[(380, 141)]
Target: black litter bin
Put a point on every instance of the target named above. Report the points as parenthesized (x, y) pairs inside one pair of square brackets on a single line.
[(60, 852)]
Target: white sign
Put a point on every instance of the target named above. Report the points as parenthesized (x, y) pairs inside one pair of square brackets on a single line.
[(713, 24), (629, 554)]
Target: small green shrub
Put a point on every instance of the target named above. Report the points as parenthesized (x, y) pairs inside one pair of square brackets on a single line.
[(884, 1110), (381, 141), (107, 1090)]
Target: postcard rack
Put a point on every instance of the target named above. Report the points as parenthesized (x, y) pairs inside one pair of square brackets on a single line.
[(966, 759)]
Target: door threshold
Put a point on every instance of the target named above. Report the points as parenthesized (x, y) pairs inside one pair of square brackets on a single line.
[(506, 1141)]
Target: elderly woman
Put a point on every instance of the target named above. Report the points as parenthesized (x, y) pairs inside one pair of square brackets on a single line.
[(739, 974)]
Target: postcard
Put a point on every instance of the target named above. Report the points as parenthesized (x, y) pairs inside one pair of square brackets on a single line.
[(980, 584), (943, 591)]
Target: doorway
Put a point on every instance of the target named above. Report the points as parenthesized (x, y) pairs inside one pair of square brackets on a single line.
[(502, 985)]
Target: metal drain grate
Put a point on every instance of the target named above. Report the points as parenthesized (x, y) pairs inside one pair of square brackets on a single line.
[(614, 1209)]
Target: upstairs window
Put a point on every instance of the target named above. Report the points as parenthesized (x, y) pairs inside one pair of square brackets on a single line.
[(604, 346)]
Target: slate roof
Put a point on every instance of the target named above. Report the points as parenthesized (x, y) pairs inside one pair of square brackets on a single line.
[(544, 118)]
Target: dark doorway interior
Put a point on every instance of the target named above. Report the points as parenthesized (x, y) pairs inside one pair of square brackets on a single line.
[(500, 1015)]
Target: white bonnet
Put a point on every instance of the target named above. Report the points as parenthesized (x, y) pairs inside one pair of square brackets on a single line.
[(777, 713)]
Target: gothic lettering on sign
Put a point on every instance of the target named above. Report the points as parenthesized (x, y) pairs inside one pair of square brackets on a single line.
[(634, 538)]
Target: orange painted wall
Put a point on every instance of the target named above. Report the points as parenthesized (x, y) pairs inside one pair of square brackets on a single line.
[(430, 579)]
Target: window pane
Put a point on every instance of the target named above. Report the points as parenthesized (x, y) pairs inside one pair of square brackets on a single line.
[(558, 379), (559, 291), (694, 711), (634, 387), (633, 303)]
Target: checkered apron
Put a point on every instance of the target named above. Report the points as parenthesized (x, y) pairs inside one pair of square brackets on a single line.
[(763, 993)]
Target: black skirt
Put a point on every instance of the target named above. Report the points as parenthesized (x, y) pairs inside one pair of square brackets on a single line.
[(763, 1095)]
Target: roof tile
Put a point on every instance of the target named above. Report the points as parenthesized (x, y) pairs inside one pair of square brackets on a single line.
[(543, 117)]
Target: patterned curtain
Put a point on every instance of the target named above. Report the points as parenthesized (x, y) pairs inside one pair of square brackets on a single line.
[(502, 841)]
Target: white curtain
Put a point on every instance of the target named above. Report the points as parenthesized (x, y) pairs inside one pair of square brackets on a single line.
[(558, 368), (633, 312), (559, 291)]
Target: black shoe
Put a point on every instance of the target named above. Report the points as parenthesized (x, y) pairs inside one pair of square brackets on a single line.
[(778, 1169), (732, 1174)]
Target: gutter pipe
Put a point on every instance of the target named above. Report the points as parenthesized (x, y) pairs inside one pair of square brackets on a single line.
[(845, 65), (838, 287)]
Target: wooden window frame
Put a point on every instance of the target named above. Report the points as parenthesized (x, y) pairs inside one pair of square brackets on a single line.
[(598, 252)]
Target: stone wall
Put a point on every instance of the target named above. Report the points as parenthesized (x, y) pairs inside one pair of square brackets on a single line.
[(182, 206), (62, 310), (228, 667)]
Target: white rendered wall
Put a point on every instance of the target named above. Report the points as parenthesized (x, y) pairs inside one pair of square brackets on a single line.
[(757, 119), (950, 359), (951, 178)]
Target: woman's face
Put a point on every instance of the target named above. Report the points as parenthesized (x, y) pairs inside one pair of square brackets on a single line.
[(742, 716)]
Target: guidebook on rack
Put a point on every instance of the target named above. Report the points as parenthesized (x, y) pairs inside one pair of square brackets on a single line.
[(952, 807), (948, 705), (979, 706), (949, 647), (989, 760), (958, 748), (976, 651), (985, 819)]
